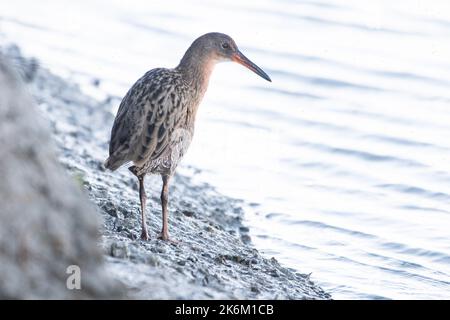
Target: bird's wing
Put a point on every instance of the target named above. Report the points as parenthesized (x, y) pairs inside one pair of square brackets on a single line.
[(146, 117), (163, 116), (127, 119)]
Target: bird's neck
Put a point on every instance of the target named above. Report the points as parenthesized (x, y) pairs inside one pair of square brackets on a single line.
[(196, 68)]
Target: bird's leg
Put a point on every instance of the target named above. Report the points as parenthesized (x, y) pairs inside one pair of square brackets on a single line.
[(143, 198), (164, 235)]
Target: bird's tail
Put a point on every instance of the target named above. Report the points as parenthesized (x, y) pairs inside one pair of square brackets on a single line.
[(113, 164)]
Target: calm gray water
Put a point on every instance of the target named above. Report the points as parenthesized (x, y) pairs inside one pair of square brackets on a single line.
[(344, 159)]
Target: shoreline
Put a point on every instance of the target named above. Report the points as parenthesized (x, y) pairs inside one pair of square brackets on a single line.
[(215, 259)]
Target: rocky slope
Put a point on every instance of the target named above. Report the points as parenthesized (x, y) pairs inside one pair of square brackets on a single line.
[(215, 258), (46, 222)]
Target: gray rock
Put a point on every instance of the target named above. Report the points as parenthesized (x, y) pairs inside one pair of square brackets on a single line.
[(46, 222)]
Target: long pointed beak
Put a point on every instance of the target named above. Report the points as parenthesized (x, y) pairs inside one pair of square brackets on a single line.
[(241, 59)]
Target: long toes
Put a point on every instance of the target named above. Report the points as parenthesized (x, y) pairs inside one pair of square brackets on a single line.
[(144, 236), (165, 237)]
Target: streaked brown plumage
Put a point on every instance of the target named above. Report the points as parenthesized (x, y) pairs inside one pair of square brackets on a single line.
[(154, 125)]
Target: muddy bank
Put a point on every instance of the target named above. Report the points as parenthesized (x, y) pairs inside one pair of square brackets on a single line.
[(215, 258)]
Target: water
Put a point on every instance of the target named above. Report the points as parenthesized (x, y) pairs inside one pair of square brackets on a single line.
[(344, 159)]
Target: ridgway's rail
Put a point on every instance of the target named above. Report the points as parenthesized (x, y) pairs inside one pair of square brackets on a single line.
[(154, 125)]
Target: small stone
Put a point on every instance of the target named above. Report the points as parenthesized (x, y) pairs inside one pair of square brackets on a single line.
[(244, 229), (188, 213), (160, 250), (274, 273), (120, 250), (206, 255), (246, 238), (254, 289), (152, 260)]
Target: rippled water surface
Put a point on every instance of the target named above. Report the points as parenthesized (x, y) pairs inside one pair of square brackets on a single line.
[(344, 158)]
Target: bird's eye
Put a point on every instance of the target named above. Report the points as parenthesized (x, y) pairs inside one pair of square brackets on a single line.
[(225, 45)]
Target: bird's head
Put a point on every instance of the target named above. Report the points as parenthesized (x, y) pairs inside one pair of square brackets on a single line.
[(221, 47)]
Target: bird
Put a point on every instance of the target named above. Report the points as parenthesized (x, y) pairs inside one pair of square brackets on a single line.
[(154, 124)]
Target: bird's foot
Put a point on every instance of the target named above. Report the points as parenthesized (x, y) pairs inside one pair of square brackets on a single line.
[(165, 237), (144, 235)]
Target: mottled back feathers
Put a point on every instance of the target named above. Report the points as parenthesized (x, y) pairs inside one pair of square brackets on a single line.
[(152, 109)]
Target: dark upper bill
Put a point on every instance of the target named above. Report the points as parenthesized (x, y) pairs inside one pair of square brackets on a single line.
[(240, 58)]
